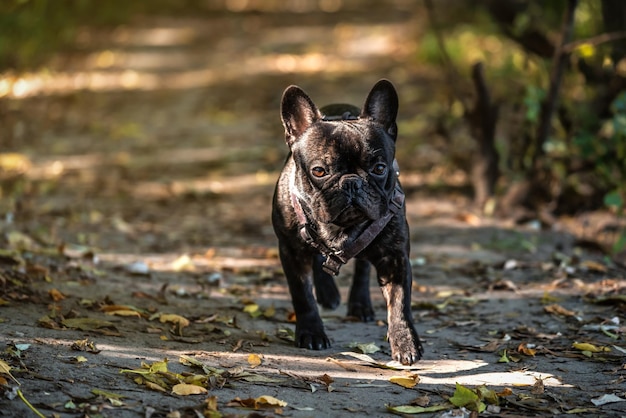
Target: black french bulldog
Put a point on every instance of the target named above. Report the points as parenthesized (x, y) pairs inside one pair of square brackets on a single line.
[(338, 198)]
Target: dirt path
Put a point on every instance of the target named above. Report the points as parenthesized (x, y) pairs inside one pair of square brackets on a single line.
[(158, 179)]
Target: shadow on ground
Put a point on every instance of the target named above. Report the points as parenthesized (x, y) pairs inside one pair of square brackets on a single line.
[(138, 174)]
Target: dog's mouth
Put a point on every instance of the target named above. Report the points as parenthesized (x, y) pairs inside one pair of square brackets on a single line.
[(354, 212)]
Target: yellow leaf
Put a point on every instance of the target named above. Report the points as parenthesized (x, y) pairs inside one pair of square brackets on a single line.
[(80, 359), (124, 312), (55, 295), (176, 319), (254, 360), (109, 395), (556, 309), (267, 400), (590, 347), (185, 389), (405, 381), (524, 349), (154, 386), (505, 392), (156, 367), (251, 307), (6, 369)]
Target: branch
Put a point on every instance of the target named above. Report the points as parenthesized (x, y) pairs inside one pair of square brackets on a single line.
[(594, 40), (559, 62)]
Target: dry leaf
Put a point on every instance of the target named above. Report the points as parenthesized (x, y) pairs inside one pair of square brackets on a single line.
[(269, 401), (124, 312), (556, 309), (175, 319), (590, 347), (56, 295), (185, 389), (85, 345), (405, 381), (525, 349), (538, 387), (254, 360), (6, 369), (86, 324)]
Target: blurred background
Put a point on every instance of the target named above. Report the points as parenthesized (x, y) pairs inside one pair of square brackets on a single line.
[(152, 125)]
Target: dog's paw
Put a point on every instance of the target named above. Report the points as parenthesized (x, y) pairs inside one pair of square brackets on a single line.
[(362, 312), (328, 296), (406, 346), (312, 341)]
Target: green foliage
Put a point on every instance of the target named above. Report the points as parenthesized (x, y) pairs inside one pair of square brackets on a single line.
[(32, 30)]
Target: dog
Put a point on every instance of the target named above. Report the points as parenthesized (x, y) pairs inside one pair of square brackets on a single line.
[(338, 197)]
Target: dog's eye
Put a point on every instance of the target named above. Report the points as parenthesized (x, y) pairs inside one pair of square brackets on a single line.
[(318, 171), (379, 169)]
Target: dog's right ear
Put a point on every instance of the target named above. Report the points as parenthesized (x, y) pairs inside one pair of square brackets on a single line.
[(298, 112)]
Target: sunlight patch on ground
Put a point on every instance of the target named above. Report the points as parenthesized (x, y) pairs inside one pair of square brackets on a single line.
[(225, 258), (145, 60), (466, 372)]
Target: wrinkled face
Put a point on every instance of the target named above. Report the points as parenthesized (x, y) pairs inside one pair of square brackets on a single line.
[(346, 171)]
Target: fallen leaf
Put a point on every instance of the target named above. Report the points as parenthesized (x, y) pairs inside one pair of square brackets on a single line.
[(505, 392), (465, 397), (55, 295), (489, 395), (6, 369), (124, 312), (253, 310), (421, 401), (87, 324), (556, 309), (254, 360), (538, 388), (85, 345), (405, 381), (185, 389), (412, 409), (267, 400), (175, 319), (590, 347), (365, 348), (525, 349), (269, 312), (108, 395)]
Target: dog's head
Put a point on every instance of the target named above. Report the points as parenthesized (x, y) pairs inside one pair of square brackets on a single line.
[(345, 172)]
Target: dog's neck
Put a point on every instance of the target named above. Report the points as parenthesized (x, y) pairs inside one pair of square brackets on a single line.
[(337, 257)]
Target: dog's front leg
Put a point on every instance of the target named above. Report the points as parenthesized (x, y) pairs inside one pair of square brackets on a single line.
[(394, 277), (309, 327)]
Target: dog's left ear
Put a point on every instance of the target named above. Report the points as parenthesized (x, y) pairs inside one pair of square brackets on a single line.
[(381, 105)]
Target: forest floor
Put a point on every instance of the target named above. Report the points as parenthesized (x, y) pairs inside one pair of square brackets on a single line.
[(138, 265)]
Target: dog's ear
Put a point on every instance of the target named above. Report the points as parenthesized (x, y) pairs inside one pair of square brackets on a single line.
[(381, 105), (298, 112)]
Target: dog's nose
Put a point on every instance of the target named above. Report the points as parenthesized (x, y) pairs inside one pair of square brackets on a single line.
[(351, 183)]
